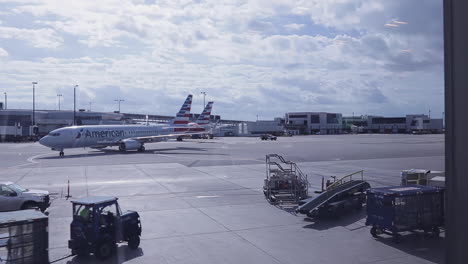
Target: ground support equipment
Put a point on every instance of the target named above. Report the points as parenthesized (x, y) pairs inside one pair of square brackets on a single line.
[(284, 182), (337, 198), (392, 210)]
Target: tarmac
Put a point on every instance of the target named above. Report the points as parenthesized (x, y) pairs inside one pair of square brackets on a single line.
[(201, 201)]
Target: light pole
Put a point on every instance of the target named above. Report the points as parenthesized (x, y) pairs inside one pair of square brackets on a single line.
[(59, 96), (204, 94), (5, 99), (74, 104), (34, 105), (119, 100), (90, 106)]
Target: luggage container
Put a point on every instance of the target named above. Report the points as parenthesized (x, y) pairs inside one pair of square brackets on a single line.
[(418, 176), (438, 181), (392, 210), (24, 237)]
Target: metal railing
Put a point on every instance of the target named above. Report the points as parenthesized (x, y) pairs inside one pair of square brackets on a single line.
[(297, 186), (293, 168), (343, 179)]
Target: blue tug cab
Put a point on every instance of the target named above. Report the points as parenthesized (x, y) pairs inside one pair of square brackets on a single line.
[(98, 225)]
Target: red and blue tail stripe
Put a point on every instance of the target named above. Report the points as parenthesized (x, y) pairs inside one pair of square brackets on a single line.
[(183, 116), (204, 118)]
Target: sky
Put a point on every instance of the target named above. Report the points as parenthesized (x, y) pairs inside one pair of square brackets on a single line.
[(262, 57)]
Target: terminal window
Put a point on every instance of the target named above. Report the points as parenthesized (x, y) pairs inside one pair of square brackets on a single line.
[(331, 119), (298, 116), (390, 120), (314, 119)]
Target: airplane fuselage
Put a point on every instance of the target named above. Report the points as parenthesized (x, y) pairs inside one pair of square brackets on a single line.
[(104, 135)]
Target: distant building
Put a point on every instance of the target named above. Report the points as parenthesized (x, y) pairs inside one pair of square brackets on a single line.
[(407, 124), (314, 122), (424, 124), (380, 124), (354, 124), (275, 127), (19, 123)]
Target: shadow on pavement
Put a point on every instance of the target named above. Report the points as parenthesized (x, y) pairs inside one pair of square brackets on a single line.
[(124, 253), (106, 152), (415, 243), (287, 208), (418, 244), (327, 222)]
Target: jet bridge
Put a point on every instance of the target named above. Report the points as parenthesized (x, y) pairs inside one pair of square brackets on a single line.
[(284, 182)]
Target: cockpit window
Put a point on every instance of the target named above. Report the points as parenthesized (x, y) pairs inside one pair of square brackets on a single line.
[(54, 134)]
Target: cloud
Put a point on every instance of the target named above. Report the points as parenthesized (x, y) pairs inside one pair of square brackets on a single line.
[(39, 38), (302, 84), (299, 55), (3, 53), (374, 96), (294, 26)]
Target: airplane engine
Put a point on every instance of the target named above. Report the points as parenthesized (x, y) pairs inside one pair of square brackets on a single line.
[(130, 145)]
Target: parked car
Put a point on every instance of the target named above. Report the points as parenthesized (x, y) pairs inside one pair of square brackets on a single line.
[(14, 197), (268, 137)]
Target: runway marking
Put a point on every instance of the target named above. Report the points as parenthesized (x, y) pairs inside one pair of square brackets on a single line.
[(207, 196), (98, 183), (30, 160)]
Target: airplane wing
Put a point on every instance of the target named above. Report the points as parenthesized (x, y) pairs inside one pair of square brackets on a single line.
[(164, 136)]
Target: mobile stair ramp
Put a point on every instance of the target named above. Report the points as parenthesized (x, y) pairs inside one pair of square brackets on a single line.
[(342, 194), (284, 182)]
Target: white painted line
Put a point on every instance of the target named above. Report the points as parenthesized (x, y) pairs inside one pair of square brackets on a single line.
[(102, 184), (30, 160), (207, 196)]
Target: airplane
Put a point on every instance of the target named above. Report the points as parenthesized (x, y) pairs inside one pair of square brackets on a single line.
[(126, 137), (203, 119), (202, 124)]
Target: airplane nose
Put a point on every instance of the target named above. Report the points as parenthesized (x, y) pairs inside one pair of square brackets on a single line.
[(43, 141)]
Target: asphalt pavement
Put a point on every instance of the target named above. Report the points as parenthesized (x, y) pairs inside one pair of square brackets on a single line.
[(201, 201)]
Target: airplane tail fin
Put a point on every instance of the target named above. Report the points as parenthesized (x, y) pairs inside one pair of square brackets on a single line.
[(183, 116), (204, 117)]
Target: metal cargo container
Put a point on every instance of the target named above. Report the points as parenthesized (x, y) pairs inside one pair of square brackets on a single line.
[(418, 176), (24, 237), (392, 210)]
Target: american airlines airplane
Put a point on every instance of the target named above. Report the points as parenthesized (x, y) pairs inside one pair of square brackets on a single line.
[(126, 137), (203, 121), (204, 118)]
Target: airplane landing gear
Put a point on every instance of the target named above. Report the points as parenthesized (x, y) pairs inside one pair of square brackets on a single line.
[(122, 147), (141, 149), (61, 154)]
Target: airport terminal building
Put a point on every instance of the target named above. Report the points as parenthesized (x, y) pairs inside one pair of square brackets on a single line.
[(403, 124), (312, 123), (21, 124), (17, 124)]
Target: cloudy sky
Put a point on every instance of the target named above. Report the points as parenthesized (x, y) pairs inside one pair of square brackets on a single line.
[(264, 57)]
